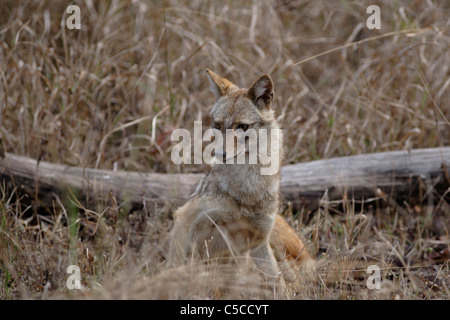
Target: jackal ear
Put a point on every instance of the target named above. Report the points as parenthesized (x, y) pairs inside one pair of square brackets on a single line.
[(261, 92), (219, 85)]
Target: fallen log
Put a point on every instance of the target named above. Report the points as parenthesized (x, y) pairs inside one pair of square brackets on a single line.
[(397, 174)]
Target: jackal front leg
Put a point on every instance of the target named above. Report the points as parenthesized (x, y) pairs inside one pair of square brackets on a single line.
[(208, 236), (265, 260)]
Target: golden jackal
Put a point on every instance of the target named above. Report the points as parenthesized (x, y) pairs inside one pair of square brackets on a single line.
[(233, 210)]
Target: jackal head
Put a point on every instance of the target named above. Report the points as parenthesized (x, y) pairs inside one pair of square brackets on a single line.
[(245, 115)]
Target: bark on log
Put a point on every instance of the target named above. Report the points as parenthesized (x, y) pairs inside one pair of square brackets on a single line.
[(398, 174)]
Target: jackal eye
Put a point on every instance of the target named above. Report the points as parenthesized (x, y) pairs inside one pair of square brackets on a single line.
[(242, 126), (216, 125)]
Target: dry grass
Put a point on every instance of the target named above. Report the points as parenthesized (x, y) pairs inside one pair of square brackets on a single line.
[(71, 97)]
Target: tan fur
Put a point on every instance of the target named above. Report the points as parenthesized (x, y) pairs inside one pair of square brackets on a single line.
[(234, 208)]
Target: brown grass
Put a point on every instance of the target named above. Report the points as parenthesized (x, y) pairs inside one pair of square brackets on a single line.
[(110, 94)]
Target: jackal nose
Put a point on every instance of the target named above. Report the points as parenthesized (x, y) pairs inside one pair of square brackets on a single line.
[(220, 153)]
